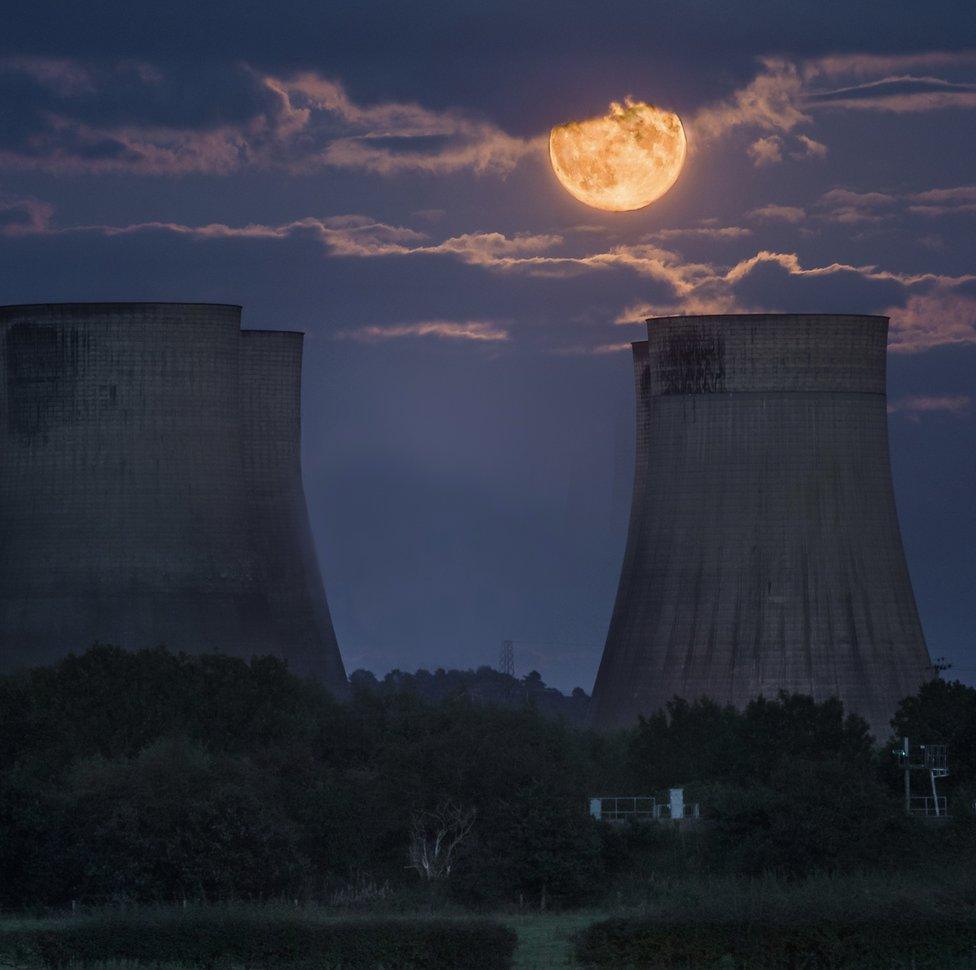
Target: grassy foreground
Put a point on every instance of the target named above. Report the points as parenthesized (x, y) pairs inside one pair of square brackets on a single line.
[(547, 939)]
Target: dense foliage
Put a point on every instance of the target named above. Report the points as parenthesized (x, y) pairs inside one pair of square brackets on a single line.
[(265, 939), (854, 943), (483, 686), (154, 776)]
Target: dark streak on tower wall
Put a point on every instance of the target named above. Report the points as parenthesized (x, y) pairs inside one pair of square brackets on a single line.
[(150, 487), (764, 551)]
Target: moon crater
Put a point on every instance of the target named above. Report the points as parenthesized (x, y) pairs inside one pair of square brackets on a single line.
[(624, 160)]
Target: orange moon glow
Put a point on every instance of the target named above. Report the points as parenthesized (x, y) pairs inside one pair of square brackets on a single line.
[(622, 161)]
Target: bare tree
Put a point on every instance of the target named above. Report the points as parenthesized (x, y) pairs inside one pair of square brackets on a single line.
[(434, 837)]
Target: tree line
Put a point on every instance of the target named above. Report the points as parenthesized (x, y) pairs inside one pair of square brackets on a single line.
[(160, 776)]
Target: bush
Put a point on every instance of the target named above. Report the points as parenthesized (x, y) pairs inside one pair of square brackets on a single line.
[(942, 712), (701, 742), (896, 943), (539, 848), (808, 817), (178, 822), (263, 940)]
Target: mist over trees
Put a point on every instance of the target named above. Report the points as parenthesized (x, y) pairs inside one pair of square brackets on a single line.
[(155, 776)]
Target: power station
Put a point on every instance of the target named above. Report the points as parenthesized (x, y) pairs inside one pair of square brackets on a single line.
[(151, 487), (764, 552)]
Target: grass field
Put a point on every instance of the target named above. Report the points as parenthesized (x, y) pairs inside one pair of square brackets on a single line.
[(546, 939)]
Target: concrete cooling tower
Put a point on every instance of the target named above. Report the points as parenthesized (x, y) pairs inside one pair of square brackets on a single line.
[(151, 487), (764, 552)]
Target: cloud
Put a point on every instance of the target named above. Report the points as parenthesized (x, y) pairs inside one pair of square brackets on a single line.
[(937, 310), (363, 237), (66, 78), (861, 65), (702, 232), (849, 206), (478, 331), (770, 102), (957, 404), (899, 95), (785, 96), (926, 309), (769, 150), (593, 350), (306, 122), (24, 215), (809, 148), (940, 202), (778, 213), (698, 304), (300, 123), (943, 316), (862, 200), (766, 151), (846, 206)]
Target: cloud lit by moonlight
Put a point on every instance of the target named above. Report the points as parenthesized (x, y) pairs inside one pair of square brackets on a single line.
[(624, 160)]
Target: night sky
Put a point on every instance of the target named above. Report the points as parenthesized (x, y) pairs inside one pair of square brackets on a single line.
[(376, 175)]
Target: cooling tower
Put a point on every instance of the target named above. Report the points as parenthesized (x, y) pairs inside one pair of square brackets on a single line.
[(150, 487), (764, 552)]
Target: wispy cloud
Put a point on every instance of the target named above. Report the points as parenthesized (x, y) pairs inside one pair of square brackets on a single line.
[(24, 215), (937, 310), (702, 232), (899, 94), (593, 350), (770, 102), (766, 151), (785, 96), (66, 78), (958, 404), (926, 309), (940, 202), (390, 137), (697, 304), (846, 206), (479, 331), (849, 206), (866, 65), (305, 121), (300, 122), (778, 213), (943, 316), (809, 148)]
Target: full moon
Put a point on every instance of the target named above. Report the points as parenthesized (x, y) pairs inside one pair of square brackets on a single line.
[(624, 160)]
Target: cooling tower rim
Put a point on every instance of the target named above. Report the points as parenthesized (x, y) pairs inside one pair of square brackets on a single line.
[(117, 304), (287, 333), (768, 316)]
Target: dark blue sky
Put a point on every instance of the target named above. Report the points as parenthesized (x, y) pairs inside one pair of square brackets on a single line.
[(375, 174)]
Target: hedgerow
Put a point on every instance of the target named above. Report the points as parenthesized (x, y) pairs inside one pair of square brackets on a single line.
[(256, 939)]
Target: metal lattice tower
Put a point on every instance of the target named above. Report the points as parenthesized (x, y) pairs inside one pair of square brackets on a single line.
[(506, 658)]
